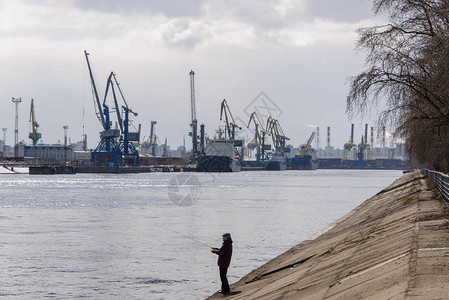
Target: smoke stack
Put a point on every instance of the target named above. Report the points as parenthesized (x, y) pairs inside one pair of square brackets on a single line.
[(383, 136), (328, 136), (202, 144), (352, 133), (366, 134), (372, 137)]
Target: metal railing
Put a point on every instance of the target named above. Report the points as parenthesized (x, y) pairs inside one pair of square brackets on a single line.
[(440, 180)]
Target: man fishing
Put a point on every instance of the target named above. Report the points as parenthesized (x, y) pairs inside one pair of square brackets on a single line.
[(224, 259)]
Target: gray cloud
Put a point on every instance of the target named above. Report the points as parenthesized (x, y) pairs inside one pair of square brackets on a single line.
[(262, 12), (289, 50), (341, 10), (174, 8)]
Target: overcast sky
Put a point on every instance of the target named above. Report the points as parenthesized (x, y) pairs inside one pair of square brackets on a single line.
[(298, 53)]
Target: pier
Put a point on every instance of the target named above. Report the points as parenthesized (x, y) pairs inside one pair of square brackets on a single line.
[(393, 246)]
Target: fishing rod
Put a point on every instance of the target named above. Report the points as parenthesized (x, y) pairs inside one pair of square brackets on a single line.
[(190, 238)]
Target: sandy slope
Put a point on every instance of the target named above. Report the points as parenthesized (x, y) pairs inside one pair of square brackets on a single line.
[(393, 246)]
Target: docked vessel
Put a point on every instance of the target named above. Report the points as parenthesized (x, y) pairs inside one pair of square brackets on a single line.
[(219, 156), (306, 159), (278, 162), (304, 162)]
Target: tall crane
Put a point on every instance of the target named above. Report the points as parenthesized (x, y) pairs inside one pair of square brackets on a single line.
[(305, 149), (108, 146), (364, 146), (229, 120), (127, 138), (350, 146), (194, 122), (16, 102), (34, 135), (259, 137), (277, 134)]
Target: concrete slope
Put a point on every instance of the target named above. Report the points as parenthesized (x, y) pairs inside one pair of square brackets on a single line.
[(393, 246)]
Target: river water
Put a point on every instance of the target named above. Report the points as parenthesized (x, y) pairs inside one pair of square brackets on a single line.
[(146, 236)]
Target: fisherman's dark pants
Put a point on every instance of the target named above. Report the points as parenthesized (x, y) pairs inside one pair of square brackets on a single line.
[(224, 280)]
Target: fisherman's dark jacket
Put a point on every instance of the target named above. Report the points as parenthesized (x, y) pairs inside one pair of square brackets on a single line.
[(224, 254)]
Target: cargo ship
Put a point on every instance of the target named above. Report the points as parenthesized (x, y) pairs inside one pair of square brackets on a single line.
[(278, 162), (375, 164), (219, 156), (306, 160)]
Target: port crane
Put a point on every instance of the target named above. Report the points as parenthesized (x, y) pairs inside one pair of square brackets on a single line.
[(259, 137), (126, 145), (305, 149), (107, 150), (229, 120), (194, 121), (364, 146), (350, 146), (149, 144), (277, 134), (34, 135)]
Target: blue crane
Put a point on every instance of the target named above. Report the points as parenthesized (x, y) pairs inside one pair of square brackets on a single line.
[(107, 151), (126, 145)]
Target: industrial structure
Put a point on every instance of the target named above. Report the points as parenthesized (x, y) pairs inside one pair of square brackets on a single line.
[(258, 141), (65, 127), (274, 129), (16, 101), (350, 145), (221, 154), (149, 146), (115, 144), (364, 149), (118, 143), (229, 123), (48, 152), (193, 120), (34, 135), (4, 141), (305, 149)]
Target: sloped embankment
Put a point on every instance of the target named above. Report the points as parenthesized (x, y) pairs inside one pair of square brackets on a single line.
[(393, 246)]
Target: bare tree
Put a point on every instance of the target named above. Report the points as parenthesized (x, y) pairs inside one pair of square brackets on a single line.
[(408, 67)]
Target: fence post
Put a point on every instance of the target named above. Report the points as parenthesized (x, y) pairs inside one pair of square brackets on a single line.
[(440, 180)]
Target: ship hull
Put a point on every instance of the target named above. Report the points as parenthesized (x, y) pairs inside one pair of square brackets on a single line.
[(276, 165), (216, 163), (303, 163)]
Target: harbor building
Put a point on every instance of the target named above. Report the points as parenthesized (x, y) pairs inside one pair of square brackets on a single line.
[(55, 151)]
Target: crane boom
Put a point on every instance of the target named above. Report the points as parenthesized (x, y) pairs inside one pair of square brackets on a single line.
[(304, 149), (230, 126), (95, 92), (34, 124), (194, 122), (34, 135), (192, 96), (309, 142), (277, 134), (121, 93), (254, 117)]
